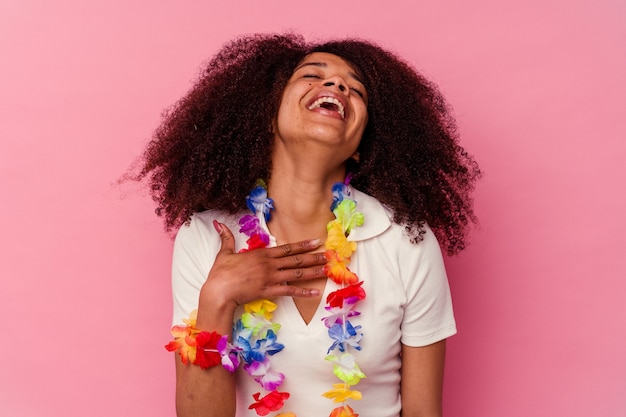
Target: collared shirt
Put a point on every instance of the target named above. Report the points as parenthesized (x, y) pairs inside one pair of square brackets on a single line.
[(408, 302)]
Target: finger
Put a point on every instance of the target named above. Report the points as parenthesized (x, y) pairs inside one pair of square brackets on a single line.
[(294, 248), (292, 291), (226, 237), (301, 260), (288, 275)]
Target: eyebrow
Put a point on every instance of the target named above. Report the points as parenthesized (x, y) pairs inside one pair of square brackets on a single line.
[(324, 65)]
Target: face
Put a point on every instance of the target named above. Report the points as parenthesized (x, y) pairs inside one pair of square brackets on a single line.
[(324, 105)]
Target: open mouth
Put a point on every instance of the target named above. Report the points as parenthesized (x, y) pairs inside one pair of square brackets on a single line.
[(328, 103)]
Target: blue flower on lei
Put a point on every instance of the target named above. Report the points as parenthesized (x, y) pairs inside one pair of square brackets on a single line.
[(241, 340), (344, 334), (339, 190), (258, 201), (263, 347)]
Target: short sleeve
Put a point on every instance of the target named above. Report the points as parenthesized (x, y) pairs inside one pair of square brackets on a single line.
[(428, 314), (195, 249)]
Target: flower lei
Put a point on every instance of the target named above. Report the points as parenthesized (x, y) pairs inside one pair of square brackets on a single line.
[(255, 335)]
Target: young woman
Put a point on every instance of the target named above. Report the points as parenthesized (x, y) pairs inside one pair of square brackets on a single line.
[(311, 183)]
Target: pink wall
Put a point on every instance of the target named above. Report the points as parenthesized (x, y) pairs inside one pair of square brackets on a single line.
[(540, 93)]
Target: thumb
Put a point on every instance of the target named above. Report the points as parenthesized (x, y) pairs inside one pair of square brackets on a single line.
[(228, 240)]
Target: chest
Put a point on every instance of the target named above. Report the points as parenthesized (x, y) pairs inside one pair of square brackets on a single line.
[(307, 307)]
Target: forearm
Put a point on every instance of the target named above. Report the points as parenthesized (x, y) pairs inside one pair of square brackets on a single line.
[(422, 380), (207, 392), (204, 392)]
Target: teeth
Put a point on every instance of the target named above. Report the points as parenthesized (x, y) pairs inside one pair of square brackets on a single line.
[(318, 103)]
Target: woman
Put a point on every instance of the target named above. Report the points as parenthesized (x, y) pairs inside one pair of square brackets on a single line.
[(298, 301)]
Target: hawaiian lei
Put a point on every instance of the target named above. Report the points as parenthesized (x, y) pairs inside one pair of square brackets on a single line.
[(255, 335)]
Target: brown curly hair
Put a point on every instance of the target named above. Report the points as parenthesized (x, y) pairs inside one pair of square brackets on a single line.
[(217, 140)]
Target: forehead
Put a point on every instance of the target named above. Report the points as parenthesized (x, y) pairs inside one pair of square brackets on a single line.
[(325, 60)]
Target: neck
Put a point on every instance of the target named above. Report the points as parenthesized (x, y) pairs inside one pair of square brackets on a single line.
[(300, 185), (302, 205)]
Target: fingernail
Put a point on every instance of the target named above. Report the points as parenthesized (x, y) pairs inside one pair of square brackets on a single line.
[(218, 226), (315, 292), (315, 242)]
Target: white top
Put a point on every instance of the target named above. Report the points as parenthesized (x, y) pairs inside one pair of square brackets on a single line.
[(408, 301)]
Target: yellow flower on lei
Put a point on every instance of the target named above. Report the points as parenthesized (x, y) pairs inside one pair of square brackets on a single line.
[(341, 393), (191, 321), (265, 307), (338, 241)]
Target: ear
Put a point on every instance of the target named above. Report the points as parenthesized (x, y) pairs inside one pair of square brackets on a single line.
[(356, 157)]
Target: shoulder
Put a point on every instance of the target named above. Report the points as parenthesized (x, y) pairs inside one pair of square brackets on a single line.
[(198, 236), (379, 224), (381, 238), (200, 225), (378, 219), (196, 245)]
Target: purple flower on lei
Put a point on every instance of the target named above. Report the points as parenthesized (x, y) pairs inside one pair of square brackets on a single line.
[(258, 201), (339, 314), (229, 354), (266, 377), (249, 225)]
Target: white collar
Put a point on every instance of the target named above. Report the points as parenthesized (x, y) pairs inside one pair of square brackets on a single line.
[(376, 218)]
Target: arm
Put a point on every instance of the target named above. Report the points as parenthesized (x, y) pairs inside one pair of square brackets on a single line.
[(236, 279), (204, 392), (422, 380)]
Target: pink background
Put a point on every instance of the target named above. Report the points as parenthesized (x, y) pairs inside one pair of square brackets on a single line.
[(539, 89)]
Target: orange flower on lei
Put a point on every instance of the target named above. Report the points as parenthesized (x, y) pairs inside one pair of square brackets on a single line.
[(337, 270), (185, 339), (344, 411)]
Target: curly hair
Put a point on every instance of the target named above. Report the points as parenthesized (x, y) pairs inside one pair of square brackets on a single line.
[(217, 140)]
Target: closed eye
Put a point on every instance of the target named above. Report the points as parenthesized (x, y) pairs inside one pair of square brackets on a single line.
[(359, 92)]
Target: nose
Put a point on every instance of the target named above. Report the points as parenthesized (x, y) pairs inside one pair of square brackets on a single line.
[(336, 81)]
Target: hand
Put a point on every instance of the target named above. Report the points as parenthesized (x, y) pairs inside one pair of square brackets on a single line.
[(238, 278)]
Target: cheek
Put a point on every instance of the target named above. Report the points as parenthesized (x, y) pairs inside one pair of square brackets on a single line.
[(286, 117), (284, 107), (362, 126), (288, 101), (364, 117)]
